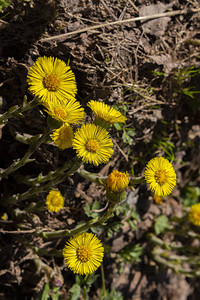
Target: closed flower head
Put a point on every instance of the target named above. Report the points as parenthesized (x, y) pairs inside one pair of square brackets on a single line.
[(194, 214), (83, 253), (93, 144), (71, 112), (51, 80), (105, 113), (160, 176), (117, 181), (63, 136), (54, 201)]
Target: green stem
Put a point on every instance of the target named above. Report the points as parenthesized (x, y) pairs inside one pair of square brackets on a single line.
[(103, 281), (41, 266), (85, 293), (92, 177), (136, 180), (60, 177), (172, 246), (26, 158), (170, 265), (72, 164), (158, 241), (16, 111), (174, 265), (46, 252), (91, 224)]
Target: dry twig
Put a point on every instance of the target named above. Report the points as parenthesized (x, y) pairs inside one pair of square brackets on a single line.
[(144, 18)]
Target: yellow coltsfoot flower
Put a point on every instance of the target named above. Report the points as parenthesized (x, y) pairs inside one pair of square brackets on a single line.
[(160, 176), (117, 181), (116, 185), (93, 144), (54, 201), (105, 113), (194, 214), (71, 112), (83, 253), (63, 136), (52, 81)]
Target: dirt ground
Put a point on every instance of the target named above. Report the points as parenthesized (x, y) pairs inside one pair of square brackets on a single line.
[(132, 66)]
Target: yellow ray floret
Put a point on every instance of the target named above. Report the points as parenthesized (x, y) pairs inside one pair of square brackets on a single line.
[(71, 112), (93, 144), (194, 214), (51, 80), (117, 181), (54, 201), (106, 113), (63, 136), (83, 253), (160, 176)]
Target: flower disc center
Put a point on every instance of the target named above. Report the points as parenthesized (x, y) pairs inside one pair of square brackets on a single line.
[(60, 112), (64, 134), (84, 253), (51, 82), (55, 201), (92, 146), (161, 177)]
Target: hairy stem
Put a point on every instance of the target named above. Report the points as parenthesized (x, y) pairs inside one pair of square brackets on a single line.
[(91, 224)]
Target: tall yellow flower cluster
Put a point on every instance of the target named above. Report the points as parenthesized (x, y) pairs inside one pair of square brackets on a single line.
[(54, 84)]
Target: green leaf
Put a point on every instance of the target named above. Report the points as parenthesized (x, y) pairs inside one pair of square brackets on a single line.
[(76, 291), (44, 294), (131, 253), (191, 195), (95, 206), (87, 208), (113, 227), (161, 224), (79, 279), (112, 295), (118, 126), (92, 278), (130, 131), (132, 224), (55, 295)]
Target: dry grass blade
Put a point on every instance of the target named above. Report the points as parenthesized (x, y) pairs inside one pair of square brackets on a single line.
[(144, 18)]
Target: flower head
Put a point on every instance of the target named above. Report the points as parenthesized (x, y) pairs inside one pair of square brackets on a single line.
[(106, 113), (54, 201), (70, 112), (63, 136), (83, 253), (160, 176), (93, 144), (117, 181), (194, 214), (51, 80)]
